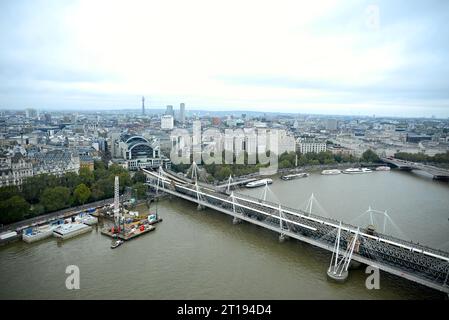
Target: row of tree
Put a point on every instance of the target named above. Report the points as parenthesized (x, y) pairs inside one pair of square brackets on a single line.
[(47, 193), (288, 160), (439, 158)]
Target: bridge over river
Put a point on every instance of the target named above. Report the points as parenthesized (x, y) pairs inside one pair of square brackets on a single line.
[(349, 244), (437, 173)]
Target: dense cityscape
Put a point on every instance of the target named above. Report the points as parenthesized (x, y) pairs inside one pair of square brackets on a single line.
[(38, 142)]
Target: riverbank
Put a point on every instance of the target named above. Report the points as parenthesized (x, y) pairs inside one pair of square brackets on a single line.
[(61, 214)]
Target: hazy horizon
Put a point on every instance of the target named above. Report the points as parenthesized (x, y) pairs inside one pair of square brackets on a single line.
[(327, 57)]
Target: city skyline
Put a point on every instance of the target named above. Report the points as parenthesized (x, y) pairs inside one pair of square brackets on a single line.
[(331, 57)]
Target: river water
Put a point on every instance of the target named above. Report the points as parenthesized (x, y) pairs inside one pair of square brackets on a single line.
[(202, 255)]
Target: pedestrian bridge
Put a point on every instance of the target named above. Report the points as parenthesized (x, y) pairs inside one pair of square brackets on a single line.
[(348, 243)]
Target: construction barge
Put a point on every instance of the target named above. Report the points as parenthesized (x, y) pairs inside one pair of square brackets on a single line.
[(127, 224), (131, 234)]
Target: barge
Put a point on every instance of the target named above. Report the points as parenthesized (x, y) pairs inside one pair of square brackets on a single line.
[(31, 235), (67, 231)]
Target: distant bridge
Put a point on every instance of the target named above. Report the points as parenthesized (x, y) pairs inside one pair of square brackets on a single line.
[(418, 263), (437, 173)]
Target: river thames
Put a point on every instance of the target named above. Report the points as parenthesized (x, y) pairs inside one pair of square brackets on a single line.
[(201, 255)]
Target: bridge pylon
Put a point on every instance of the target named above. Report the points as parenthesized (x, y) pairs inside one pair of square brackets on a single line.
[(338, 267), (199, 197), (282, 236), (228, 189), (235, 220)]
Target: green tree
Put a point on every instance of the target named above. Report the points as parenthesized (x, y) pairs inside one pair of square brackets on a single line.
[(139, 176), (105, 186), (285, 164), (370, 156), (55, 198), (87, 177), (36, 210), (13, 209), (82, 193), (99, 165), (33, 187), (97, 192), (124, 180), (8, 192), (223, 173), (140, 190), (70, 180), (116, 169)]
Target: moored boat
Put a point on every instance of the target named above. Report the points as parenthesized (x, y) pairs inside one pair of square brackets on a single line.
[(116, 243), (330, 172), (295, 176), (259, 183), (383, 168), (357, 170)]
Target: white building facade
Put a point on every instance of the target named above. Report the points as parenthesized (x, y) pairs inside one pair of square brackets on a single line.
[(167, 122), (310, 145)]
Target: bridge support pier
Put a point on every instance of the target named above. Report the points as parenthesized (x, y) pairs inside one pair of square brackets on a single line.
[(200, 207), (283, 237), (336, 276), (338, 268), (236, 220)]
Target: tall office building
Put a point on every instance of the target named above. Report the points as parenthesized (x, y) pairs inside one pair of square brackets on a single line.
[(143, 105), (169, 111), (182, 113), (30, 113), (331, 124), (167, 122)]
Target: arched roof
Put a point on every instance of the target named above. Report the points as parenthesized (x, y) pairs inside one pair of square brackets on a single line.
[(140, 143), (136, 138)]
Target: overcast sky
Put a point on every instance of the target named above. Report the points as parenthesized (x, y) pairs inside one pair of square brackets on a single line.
[(337, 57)]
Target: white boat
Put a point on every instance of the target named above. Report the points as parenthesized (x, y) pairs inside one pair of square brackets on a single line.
[(330, 172), (116, 244), (383, 168), (259, 183), (357, 170), (295, 176), (70, 230), (38, 233)]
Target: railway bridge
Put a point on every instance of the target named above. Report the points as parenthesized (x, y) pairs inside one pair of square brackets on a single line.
[(348, 243)]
